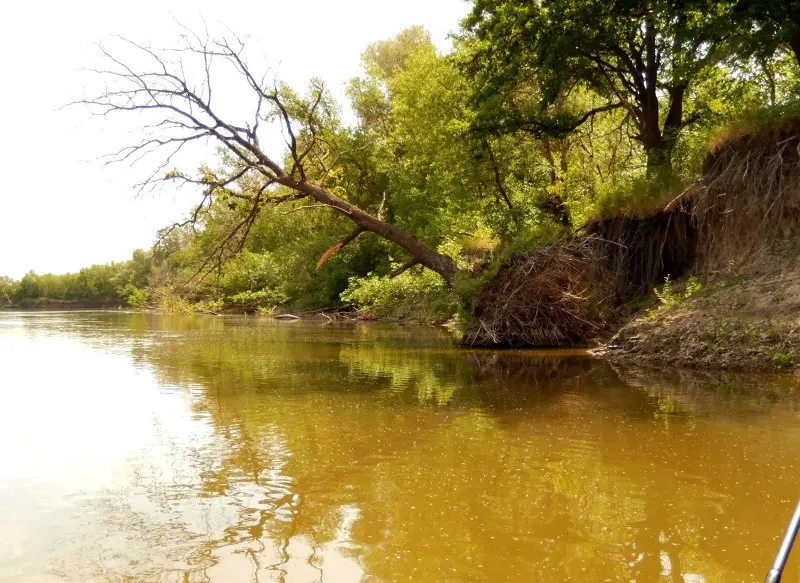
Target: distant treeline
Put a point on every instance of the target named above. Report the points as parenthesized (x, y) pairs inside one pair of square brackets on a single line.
[(121, 283)]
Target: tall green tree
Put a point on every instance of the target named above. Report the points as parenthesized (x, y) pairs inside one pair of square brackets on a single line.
[(639, 56), (7, 288)]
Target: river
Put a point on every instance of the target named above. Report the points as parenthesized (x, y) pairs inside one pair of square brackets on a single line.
[(145, 448)]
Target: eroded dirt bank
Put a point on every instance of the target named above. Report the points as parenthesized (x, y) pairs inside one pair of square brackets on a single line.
[(734, 238), (749, 321)]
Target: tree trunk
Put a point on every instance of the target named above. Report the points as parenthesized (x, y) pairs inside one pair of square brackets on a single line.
[(658, 155), (419, 250), (657, 151), (658, 162), (662, 142), (794, 42), (555, 203)]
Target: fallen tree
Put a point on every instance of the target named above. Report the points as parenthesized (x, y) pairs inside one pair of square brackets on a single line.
[(158, 85)]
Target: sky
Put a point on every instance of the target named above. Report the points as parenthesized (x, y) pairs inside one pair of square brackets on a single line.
[(61, 207)]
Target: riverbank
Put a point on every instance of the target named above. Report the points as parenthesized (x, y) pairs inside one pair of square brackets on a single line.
[(53, 304), (705, 278), (744, 315), (711, 279), (737, 322)]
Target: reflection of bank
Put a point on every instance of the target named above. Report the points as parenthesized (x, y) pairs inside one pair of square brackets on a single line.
[(712, 393)]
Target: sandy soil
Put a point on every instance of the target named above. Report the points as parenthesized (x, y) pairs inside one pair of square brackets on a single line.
[(745, 319)]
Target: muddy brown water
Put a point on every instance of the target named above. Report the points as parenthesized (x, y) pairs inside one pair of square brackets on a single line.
[(153, 448)]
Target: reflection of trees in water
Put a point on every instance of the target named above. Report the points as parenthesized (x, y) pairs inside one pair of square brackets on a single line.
[(682, 391), (221, 511), (330, 454)]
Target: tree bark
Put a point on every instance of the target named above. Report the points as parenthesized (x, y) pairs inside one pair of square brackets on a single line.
[(419, 250), (658, 158), (794, 42), (555, 204), (653, 139)]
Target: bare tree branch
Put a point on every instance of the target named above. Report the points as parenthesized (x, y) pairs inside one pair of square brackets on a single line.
[(179, 113), (338, 247), (403, 268)]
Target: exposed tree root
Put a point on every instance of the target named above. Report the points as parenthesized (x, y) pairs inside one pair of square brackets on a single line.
[(547, 298), (566, 294), (749, 196)]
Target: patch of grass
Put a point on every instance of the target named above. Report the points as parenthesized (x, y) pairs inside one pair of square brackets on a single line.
[(668, 296), (781, 359)]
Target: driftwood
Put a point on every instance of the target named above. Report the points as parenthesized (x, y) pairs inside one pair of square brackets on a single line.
[(551, 297)]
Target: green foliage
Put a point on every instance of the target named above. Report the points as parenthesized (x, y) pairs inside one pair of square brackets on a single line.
[(7, 290), (254, 301), (642, 57), (170, 301), (534, 125), (98, 284), (693, 287), (782, 359), (135, 298), (768, 26), (668, 296), (412, 295)]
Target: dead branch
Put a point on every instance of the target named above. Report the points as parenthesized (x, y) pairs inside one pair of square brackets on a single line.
[(403, 268), (338, 247), (179, 111)]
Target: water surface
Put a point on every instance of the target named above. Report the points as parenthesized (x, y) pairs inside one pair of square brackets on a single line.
[(144, 448)]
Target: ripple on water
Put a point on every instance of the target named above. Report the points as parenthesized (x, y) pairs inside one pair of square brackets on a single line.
[(225, 449)]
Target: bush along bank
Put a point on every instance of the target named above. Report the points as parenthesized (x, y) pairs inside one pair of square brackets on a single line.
[(712, 281)]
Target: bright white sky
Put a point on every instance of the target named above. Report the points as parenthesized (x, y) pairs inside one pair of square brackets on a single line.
[(60, 208)]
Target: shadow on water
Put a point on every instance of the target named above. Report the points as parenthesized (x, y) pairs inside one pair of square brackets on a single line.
[(355, 452)]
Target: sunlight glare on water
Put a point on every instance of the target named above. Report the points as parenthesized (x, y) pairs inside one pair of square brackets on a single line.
[(199, 449)]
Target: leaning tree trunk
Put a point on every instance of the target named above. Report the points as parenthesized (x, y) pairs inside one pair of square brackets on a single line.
[(422, 253), (186, 112)]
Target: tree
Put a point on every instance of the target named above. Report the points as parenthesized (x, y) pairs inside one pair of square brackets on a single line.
[(769, 25), (30, 286), (635, 54), (7, 288), (412, 110), (183, 111)]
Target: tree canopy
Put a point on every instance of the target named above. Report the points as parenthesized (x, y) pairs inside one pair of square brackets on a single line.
[(545, 115), (640, 57)]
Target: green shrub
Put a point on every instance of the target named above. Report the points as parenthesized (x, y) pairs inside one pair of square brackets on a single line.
[(669, 297), (666, 295), (254, 301), (208, 306), (693, 287), (782, 359), (411, 295), (168, 301), (135, 298)]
